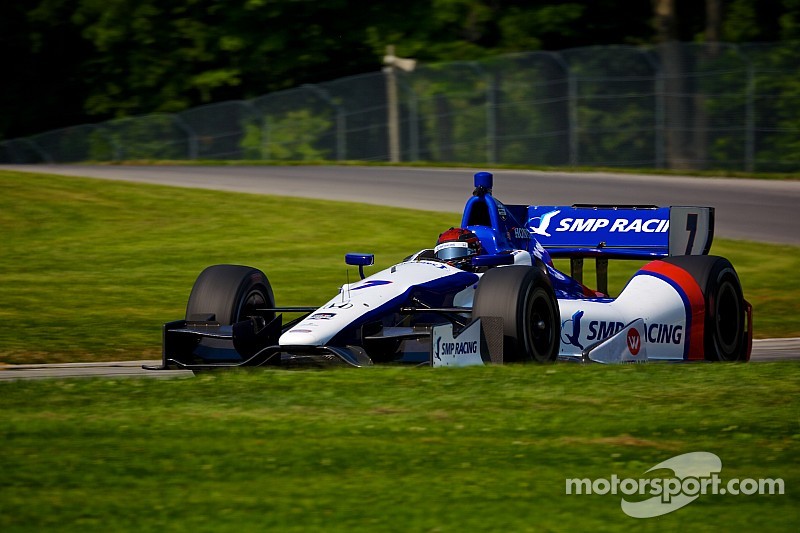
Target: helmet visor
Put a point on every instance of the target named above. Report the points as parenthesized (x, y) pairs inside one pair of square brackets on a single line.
[(450, 251)]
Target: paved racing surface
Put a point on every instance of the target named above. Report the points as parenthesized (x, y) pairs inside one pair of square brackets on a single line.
[(756, 210), (121, 369), (766, 350)]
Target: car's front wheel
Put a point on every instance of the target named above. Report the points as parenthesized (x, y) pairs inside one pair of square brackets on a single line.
[(229, 294), (523, 297)]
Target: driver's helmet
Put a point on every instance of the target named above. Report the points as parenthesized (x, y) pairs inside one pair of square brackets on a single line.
[(456, 246)]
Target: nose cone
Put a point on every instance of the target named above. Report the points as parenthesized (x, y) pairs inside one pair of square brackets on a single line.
[(300, 337)]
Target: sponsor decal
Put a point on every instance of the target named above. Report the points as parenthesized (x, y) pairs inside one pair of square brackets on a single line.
[(664, 333), (620, 225), (463, 349), (601, 329), (521, 233), (634, 342), (573, 338), (656, 333), (370, 283), (322, 316), (597, 330), (544, 223), (455, 348), (627, 346), (451, 244)]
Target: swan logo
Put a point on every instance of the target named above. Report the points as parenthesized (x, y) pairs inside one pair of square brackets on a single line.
[(544, 223), (572, 337)]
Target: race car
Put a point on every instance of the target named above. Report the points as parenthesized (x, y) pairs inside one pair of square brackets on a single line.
[(488, 292)]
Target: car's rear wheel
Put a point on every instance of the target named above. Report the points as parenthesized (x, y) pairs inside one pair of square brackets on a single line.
[(523, 297), (725, 323), (229, 294)]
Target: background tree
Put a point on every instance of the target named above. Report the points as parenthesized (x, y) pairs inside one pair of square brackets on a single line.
[(68, 62)]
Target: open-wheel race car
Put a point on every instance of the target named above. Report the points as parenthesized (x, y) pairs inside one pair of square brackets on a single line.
[(488, 292)]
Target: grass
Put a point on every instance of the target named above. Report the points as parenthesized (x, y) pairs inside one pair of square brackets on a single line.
[(90, 269), (393, 449)]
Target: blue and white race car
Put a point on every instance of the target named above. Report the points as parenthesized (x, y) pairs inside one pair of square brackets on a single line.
[(488, 292)]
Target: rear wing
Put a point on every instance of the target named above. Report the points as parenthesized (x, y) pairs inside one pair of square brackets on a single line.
[(618, 232), (621, 232)]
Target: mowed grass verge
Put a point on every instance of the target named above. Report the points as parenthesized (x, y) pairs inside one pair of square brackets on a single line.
[(90, 269), (394, 449)]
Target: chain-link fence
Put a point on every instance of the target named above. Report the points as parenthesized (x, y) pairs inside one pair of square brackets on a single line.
[(675, 105)]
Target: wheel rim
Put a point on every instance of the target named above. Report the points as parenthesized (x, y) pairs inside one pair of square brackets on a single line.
[(539, 328), (728, 315), (254, 300)]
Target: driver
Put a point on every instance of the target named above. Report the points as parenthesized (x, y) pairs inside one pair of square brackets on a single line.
[(456, 247)]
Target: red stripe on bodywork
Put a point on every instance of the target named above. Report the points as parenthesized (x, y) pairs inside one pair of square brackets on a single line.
[(696, 299)]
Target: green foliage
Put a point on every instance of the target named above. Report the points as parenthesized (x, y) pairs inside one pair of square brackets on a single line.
[(761, 20), (451, 99), (293, 137), (73, 61)]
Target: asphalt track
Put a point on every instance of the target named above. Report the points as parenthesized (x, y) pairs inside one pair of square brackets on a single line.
[(764, 350), (755, 210)]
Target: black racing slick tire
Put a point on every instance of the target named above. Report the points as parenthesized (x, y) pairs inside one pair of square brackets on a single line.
[(228, 294), (725, 334), (523, 297)]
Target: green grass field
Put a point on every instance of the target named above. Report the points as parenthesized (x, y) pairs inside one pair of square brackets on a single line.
[(393, 449), (90, 269)]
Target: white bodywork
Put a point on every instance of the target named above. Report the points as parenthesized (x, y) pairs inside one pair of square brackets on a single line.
[(372, 295), (658, 304), (585, 323)]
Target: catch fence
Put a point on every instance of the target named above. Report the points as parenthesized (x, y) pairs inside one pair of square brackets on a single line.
[(676, 105)]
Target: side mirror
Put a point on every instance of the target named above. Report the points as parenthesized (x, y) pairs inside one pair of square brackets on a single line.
[(492, 260), (359, 260)]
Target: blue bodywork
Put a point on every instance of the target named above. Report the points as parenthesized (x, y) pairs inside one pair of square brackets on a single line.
[(501, 232), (577, 231)]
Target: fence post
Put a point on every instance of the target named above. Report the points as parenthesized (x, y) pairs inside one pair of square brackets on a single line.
[(191, 137), (393, 114)]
